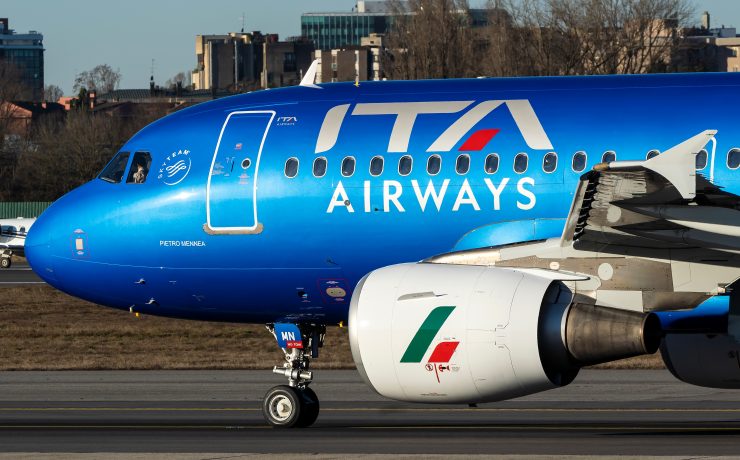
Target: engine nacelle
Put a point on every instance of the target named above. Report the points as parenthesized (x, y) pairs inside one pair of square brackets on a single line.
[(707, 360), (463, 334)]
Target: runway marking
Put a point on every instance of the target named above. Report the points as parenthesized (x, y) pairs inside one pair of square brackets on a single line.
[(368, 409), (22, 282), (683, 429)]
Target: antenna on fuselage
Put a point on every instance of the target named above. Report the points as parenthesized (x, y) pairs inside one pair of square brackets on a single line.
[(309, 79)]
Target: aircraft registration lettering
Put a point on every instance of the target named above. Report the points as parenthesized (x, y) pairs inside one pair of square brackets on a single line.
[(466, 198)]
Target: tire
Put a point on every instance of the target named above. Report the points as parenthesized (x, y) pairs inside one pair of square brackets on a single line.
[(310, 410), (5, 262), (282, 406)]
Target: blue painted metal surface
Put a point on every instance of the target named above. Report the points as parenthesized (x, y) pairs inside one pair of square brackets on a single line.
[(320, 235)]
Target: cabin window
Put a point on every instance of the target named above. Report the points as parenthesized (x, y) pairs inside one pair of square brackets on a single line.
[(521, 161), (319, 167), (462, 165), (434, 165), (733, 158), (579, 161), (609, 156), (491, 165), (291, 167), (550, 162), (348, 166), (652, 154), (701, 159), (139, 168), (113, 172), (404, 165), (376, 166)]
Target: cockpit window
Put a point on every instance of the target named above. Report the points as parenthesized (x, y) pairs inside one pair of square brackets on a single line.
[(113, 172), (139, 168)]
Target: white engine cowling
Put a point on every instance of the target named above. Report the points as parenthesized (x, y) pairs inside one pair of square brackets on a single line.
[(463, 334), (707, 360)]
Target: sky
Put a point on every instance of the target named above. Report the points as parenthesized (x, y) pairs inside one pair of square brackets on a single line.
[(80, 34)]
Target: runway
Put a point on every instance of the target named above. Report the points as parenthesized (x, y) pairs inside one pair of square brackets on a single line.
[(601, 413), (19, 274)]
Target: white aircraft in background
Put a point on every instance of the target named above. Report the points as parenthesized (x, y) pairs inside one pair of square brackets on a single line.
[(12, 238)]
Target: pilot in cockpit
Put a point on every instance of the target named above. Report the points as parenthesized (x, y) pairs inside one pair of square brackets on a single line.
[(140, 174)]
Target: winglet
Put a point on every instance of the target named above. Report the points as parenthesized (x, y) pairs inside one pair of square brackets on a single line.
[(309, 79)]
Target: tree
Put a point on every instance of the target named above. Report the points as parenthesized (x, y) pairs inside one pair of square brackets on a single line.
[(11, 90), (432, 39), (66, 153), (52, 93), (437, 38), (101, 78), (182, 79), (567, 37)]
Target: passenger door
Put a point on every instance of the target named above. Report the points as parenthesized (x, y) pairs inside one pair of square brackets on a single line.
[(231, 193)]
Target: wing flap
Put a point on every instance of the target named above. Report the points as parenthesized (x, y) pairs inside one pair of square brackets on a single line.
[(661, 203)]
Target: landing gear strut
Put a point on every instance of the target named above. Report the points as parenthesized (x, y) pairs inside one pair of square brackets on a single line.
[(294, 405)]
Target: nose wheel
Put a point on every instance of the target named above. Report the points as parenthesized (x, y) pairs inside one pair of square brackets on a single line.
[(295, 404), (288, 407)]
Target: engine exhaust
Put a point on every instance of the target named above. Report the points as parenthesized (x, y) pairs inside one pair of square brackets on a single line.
[(595, 334)]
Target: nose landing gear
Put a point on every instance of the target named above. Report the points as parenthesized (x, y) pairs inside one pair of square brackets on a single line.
[(295, 404)]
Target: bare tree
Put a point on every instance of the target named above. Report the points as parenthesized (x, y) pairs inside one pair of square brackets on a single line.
[(11, 89), (12, 130), (182, 79), (66, 153), (52, 93), (432, 39), (562, 37), (101, 78)]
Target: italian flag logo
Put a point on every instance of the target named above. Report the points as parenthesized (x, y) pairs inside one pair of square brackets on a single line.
[(442, 354)]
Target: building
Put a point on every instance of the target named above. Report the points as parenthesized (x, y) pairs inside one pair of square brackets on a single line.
[(352, 64), (17, 118), (228, 61), (247, 61), (343, 65), (26, 53), (284, 63), (375, 44), (709, 49), (341, 30)]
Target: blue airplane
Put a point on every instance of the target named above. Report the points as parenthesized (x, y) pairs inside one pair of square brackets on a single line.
[(560, 222)]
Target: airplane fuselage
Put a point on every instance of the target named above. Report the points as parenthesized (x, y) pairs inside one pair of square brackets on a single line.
[(270, 206)]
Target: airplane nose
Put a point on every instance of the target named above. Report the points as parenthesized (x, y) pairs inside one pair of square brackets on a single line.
[(38, 247)]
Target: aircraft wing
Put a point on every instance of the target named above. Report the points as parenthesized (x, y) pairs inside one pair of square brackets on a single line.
[(661, 203)]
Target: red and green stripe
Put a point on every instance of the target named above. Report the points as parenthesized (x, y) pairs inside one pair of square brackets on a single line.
[(425, 335)]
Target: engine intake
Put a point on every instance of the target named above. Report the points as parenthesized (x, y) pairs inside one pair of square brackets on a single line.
[(458, 333)]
